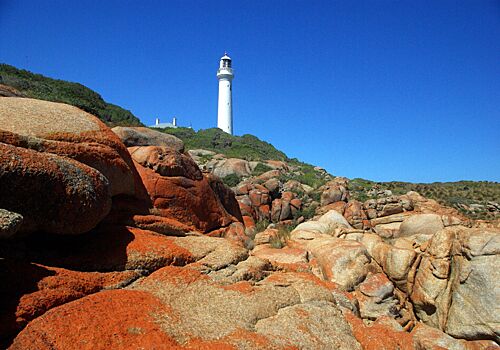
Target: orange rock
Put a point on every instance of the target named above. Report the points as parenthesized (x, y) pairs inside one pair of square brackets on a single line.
[(34, 289), (190, 201), (54, 194), (119, 319), (379, 336), (249, 222)]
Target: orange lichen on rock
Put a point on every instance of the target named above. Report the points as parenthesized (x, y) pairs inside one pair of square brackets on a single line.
[(378, 336), (119, 319), (35, 289)]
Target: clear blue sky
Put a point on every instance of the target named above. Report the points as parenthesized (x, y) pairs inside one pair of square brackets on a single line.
[(384, 90)]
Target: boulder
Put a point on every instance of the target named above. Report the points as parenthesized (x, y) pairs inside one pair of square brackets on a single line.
[(29, 123), (10, 223), (166, 161), (33, 289), (427, 224), (334, 191), (141, 136), (334, 219), (178, 190), (456, 283), (53, 194), (376, 297), (355, 214), (230, 166)]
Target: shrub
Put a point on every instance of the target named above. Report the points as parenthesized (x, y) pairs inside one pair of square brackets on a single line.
[(231, 180), (260, 169), (282, 236)]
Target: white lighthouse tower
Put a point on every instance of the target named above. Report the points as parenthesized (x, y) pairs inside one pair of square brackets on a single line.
[(225, 110)]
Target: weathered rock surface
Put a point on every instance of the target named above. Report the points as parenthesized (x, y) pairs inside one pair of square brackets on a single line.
[(426, 224), (10, 223), (225, 167), (177, 189), (52, 193), (164, 307), (29, 123), (457, 281), (141, 136)]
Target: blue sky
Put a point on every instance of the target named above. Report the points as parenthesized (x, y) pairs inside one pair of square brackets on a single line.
[(383, 90)]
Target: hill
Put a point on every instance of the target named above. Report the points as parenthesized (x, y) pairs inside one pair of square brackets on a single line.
[(44, 88), (249, 148), (475, 199), (246, 147)]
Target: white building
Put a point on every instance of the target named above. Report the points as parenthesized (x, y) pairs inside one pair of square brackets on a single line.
[(165, 125), (225, 108)]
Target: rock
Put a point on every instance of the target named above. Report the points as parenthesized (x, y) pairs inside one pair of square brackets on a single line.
[(286, 258), (395, 261), (427, 224), (175, 306), (271, 174), (9, 91), (132, 322), (334, 219), (273, 186), (200, 153), (29, 123), (379, 335), (280, 210), (225, 196), (429, 338), (343, 262), (333, 192), (141, 136), (277, 164), (377, 298), (230, 166), (265, 236), (34, 289), (355, 214), (166, 161), (185, 195), (456, 282), (10, 223), (318, 318), (79, 196)]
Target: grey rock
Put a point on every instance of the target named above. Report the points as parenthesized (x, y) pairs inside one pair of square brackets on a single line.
[(10, 223)]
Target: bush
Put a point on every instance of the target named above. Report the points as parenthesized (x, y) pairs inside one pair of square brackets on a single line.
[(282, 236), (231, 180), (260, 169)]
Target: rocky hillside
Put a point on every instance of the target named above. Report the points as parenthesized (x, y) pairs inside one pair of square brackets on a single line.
[(32, 85), (116, 239), (475, 199)]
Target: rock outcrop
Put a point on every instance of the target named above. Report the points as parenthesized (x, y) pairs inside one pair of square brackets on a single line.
[(105, 247)]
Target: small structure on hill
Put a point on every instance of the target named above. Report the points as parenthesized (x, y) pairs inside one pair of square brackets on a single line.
[(159, 125)]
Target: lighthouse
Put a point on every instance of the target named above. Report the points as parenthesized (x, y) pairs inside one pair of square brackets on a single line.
[(225, 109)]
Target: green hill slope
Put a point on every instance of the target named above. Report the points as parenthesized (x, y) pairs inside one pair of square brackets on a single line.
[(44, 88), (246, 147)]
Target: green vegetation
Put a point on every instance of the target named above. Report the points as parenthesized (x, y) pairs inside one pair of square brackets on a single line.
[(305, 174), (459, 195), (244, 147), (260, 169), (282, 236), (44, 88), (231, 180)]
